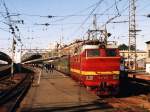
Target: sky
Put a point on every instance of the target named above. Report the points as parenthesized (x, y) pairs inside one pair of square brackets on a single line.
[(65, 27)]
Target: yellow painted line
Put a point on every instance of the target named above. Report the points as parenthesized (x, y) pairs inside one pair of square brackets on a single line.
[(116, 72), (75, 70), (102, 57), (88, 73), (93, 72)]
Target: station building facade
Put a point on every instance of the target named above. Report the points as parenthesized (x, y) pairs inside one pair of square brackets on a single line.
[(148, 57), (141, 58)]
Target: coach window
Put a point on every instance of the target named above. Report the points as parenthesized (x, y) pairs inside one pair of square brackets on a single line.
[(93, 52), (111, 52)]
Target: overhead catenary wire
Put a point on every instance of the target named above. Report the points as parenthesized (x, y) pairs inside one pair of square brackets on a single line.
[(11, 25), (50, 16), (91, 13), (18, 37), (117, 7), (112, 18), (85, 20), (64, 16), (106, 10), (52, 23), (76, 15), (108, 21), (68, 16)]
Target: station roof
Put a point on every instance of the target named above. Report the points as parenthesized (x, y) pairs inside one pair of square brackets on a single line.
[(39, 61), (148, 42), (5, 57), (31, 57)]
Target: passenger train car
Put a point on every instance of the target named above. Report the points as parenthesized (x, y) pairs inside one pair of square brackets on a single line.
[(92, 64)]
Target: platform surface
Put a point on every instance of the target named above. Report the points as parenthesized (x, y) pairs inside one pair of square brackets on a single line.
[(140, 75), (59, 93)]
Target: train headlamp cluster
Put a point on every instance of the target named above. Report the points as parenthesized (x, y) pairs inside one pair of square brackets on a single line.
[(90, 77)]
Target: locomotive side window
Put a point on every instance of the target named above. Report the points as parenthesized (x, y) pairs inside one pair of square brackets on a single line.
[(111, 52), (93, 53)]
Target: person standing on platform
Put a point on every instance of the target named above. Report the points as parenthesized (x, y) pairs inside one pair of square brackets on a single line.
[(52, 68)]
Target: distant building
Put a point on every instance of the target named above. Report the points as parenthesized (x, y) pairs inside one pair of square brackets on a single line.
[(148, 57), (52, 45), (141, 56)]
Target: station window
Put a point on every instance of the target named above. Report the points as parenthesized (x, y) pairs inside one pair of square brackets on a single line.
[(93, 52), (111, 52)]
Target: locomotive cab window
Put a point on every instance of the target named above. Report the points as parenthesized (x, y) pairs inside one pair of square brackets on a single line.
[(111, 52), (93, 52)]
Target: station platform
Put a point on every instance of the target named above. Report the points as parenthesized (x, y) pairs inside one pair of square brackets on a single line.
[(140, 75), (57, 92)]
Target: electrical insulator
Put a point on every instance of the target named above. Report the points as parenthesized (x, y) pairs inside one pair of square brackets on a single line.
[(15, 42), (49, 16)]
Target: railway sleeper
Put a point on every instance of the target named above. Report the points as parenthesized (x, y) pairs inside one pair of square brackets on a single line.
[(6, 96)]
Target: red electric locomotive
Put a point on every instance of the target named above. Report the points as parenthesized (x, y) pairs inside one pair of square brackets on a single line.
[(93, 63), (97, 68)]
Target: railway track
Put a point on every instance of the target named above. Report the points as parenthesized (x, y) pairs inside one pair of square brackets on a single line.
[(134, 96), (142, 81), (13, 90), (4, 72), (21, 91), (130, 104)]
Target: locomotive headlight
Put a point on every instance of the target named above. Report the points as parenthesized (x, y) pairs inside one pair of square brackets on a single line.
[(89, 77), (115, 76)]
